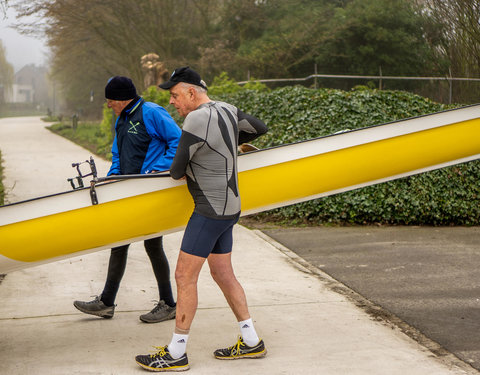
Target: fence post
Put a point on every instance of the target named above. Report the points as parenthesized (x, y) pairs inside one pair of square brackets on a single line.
[(380, 81), (75, 122), (315, 78), (450, 84)]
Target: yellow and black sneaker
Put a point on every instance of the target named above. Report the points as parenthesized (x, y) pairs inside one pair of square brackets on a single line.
[(241, 350), (162, 361)]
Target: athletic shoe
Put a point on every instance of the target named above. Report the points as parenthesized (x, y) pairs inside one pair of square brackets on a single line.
[(95, 307), (162, 361), (159, 313), (241, 350)]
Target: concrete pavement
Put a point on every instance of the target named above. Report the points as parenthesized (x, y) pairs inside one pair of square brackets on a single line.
[(307, 326)]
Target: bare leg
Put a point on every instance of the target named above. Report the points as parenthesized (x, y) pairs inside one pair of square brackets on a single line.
[(186, 276), (222, 272)]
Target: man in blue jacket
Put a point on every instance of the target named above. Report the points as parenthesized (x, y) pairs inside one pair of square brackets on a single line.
[(146, 139)]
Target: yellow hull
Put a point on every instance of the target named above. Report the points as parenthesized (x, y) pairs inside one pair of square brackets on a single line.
[(64, 225)]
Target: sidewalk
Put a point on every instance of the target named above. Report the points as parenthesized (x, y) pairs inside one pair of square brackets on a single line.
[(307, 327)]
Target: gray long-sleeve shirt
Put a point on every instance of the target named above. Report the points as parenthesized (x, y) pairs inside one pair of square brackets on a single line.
[(207, 155)]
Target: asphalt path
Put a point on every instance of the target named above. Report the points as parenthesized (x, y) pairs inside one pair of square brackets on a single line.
[(426, 276)]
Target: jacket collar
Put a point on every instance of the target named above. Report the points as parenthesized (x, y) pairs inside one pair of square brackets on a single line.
[(133, 105)]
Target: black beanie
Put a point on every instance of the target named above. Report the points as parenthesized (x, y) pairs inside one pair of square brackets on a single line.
[(120, 88)]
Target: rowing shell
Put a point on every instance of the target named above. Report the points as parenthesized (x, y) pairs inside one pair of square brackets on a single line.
[(63, 225)]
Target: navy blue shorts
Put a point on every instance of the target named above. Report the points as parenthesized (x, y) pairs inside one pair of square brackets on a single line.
[(204, 235)]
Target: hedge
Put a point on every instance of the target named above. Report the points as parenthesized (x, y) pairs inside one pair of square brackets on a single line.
[(449, 196)]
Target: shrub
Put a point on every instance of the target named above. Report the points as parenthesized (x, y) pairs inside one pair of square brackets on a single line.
[(157, 95), (107, 131)]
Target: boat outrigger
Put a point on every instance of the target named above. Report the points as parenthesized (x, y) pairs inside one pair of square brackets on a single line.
[(75, 222)]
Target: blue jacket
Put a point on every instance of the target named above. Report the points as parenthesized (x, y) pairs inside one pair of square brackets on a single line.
[(146, 139)]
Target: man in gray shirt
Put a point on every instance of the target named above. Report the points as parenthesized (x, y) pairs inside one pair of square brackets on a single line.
[(207, 158)]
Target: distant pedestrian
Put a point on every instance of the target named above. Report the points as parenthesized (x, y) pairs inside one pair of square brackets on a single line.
[(207, 158), (146, 139)]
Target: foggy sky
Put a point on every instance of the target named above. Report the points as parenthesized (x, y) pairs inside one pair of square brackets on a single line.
[(20, 50)]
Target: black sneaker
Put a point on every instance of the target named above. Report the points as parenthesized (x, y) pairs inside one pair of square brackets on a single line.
[(241, 350), (160, 312), (95, 307), (162, 361)]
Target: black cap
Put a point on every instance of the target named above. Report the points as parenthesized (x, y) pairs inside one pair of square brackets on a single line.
[(120, 88), (186, 75)]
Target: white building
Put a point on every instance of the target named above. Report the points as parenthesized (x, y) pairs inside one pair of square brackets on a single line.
[(21, 94), (30, 86)]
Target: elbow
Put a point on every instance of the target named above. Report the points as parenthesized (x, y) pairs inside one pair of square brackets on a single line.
[(176, 175)]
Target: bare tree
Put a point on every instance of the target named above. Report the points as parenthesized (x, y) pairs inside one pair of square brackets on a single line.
[(91, 40), (6, 74), (3, 7), (455, 24), (460, 32)]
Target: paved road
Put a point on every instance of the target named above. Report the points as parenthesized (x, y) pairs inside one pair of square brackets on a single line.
[(428, 277)]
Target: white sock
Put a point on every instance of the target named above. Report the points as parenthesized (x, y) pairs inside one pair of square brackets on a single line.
[(248, 332), (178, 345)]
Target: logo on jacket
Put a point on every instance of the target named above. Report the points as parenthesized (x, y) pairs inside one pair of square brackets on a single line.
[(133, 127)]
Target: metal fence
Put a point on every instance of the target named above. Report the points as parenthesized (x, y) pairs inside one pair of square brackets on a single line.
[(441, 89)]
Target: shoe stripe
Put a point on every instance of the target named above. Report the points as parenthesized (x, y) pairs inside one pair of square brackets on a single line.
[(183, 367), (243, 355)]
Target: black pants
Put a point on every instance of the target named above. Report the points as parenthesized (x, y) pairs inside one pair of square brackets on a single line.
[(118, 263)]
